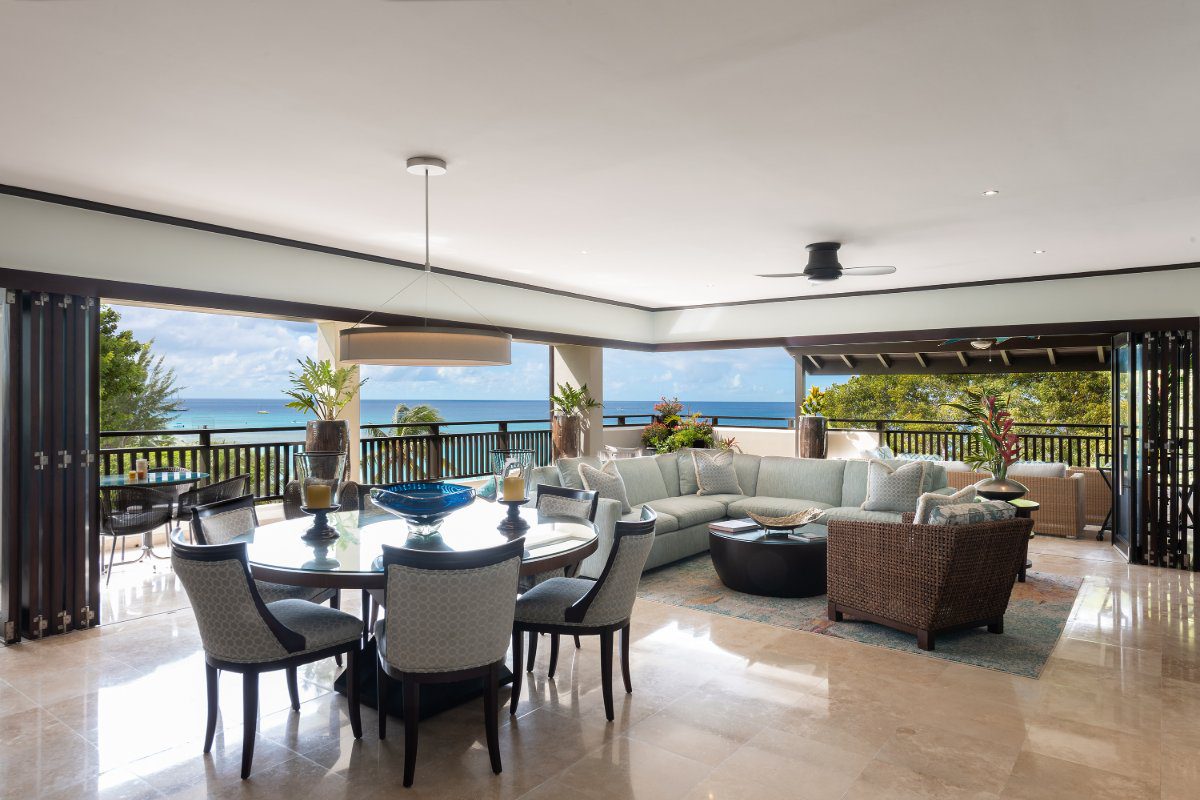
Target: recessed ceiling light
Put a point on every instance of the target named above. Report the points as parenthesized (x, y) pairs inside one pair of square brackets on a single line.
[(1038, 252), (583, 252), (991, 192)]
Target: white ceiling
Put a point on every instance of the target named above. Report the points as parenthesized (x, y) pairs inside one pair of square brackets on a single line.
[(685, 145)]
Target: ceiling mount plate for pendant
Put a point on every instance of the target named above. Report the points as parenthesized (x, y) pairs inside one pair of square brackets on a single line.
[(421, 165)]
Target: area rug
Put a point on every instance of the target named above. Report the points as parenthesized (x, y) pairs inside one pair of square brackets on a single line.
[(1036, 616)]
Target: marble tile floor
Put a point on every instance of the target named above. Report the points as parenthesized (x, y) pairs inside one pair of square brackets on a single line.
[(722, 709)]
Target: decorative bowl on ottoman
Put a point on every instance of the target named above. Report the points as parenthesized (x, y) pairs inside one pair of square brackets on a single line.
[(423, 504), (783, 525)]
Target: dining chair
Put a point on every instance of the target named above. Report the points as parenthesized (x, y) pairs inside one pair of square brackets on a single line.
[(224, 520), (229, 488), (448, 618), (560, 501), (131, 511), (583, 607), (242, 633)]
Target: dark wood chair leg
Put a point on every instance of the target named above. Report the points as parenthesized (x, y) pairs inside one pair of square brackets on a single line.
[(249, 719), (293, 687), (412, 711), (577, 643), (529, 658), (925, 640), (996, 627), (352, 692), (517, 673), (625, 659), (381, 698), (833, 613), (335, 601), (491, 708), (366, 616), (553, 654), (211, 675), (606, 653)]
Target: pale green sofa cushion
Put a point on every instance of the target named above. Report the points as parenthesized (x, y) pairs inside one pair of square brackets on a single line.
[(545, 476), (643, 479), (801, 478), (935, 473), (747, 467), (568, 470), (854, 484), (666, 523), (668, 465), (772, 506), (858, 515), (689, 510)]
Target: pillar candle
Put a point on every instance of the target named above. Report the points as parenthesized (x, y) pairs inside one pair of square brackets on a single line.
[(513, 488), (318, 495), (143, 468)]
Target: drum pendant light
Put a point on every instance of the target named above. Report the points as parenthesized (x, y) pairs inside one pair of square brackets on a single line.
[(426, 345)]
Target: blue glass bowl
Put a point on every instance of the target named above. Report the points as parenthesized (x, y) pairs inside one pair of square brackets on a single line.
[(424, 504)]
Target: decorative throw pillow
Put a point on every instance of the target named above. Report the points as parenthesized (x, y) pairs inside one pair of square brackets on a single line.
[(894, 490), (918, 457), (606, 482), (715, 473), (1038, 469), (972, 513), (926, 503), (568, 470), (882, 451), (687, 470)]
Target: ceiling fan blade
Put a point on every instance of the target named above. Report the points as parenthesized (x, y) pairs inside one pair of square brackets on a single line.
[(782, 275), (862, 271)]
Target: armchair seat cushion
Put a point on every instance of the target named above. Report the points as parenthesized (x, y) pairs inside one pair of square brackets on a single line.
[(273, 592), (688, 510), (320, 626), (773, 506), (547, 603)]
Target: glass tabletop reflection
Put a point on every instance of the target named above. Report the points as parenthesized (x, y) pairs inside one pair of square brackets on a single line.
[(277, 551)]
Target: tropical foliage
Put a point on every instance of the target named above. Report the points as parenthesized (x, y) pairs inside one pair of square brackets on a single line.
[(572, 401), (671, 431), (321, 390), (415, 420), (813, 403), (993, 445), (137, 391)]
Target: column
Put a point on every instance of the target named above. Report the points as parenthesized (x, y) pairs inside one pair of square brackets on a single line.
[(328, 350), (576, 365), (801, 392)]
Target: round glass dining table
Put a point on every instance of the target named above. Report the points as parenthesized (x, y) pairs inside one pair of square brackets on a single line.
[(353, 561)]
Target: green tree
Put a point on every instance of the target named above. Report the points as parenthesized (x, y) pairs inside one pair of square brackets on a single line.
[(1071, 397), (137, 391), (414, 414)]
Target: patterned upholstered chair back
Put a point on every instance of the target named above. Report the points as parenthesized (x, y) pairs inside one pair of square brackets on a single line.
[(559, 501), (611, 599), (234, 624), (449, 611), (224, 520)]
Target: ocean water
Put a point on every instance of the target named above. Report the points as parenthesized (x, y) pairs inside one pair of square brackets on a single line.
[(271, 413)]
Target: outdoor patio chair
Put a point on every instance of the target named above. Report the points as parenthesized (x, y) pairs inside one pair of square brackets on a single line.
[(227, 489), (581, 607), (132, 511), (242, 633), (473, 595)]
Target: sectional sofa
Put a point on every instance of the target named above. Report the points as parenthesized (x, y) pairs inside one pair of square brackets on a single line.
[(770, 485)]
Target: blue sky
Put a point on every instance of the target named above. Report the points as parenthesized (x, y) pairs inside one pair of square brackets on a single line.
[(224, 355)]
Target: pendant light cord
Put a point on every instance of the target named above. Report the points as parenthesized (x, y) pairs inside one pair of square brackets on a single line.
[(428, 269)]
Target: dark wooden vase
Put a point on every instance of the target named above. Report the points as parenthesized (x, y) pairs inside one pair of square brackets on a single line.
[(328, 436), (812, 436), (566, 433)]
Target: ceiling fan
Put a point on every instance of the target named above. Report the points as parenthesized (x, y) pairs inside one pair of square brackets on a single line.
[(986, 344), (823, 265)]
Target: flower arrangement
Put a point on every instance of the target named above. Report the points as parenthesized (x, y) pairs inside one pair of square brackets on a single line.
[(994, 444), (672, 431)]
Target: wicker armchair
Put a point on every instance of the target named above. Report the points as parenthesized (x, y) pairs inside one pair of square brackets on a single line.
[(1063, 501), (924, 579)]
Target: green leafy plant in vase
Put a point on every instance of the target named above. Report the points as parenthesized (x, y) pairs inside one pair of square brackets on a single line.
[(319, 389), (571, 407)]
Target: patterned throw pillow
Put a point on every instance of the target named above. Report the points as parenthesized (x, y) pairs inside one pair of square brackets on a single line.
[(882, 451), (972, 513), (894, 490), (715, 473), (926, 503), (606, 482)]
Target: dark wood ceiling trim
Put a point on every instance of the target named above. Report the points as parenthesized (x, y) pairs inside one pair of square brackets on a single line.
[(283, 241)]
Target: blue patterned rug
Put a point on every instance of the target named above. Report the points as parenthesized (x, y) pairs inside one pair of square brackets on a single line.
[(1036, 616)]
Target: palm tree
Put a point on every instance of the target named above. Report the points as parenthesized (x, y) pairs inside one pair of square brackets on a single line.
[(415, 414)]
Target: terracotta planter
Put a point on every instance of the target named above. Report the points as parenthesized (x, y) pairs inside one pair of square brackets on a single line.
[(812, 436), (566, 436)]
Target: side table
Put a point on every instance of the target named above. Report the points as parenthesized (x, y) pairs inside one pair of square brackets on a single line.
[(1025, 509)]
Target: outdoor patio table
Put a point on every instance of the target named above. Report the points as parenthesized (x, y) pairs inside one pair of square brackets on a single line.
[(153, 479)]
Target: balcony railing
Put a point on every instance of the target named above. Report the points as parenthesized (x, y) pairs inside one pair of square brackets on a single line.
[(449, 451)]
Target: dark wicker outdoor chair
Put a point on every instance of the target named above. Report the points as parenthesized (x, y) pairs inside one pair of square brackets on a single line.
[(924, 579)]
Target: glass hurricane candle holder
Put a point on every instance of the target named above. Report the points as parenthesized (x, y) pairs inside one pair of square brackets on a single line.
[(318, 474), (513, 469)]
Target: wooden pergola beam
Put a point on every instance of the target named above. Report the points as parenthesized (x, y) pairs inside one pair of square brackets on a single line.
[(921, 360), (848, 361), (1005, 359), (1100, 353), (962, 359), (887, 364), (816, 362), (1050, 355)]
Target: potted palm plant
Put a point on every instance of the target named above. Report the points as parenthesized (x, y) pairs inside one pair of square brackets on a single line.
[(993, 444), (569, 420), (319, 389), (813, 427)]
